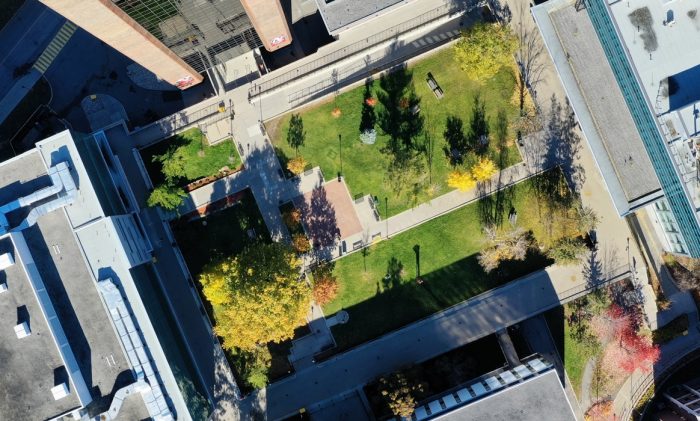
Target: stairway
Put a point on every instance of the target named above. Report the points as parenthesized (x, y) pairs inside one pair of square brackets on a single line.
[(55, 46)]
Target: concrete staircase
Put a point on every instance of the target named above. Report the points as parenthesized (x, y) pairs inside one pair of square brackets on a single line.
[(55, 46)]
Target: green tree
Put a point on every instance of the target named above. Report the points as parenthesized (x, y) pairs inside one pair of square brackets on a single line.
[(399, 394), (266, 300), (173, 163), (166, 196), (252, 366), (478, 136), (296, 134), (484, 49)]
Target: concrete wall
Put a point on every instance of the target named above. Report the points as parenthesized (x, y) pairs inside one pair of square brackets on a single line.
[(111, 25), (269, 22)]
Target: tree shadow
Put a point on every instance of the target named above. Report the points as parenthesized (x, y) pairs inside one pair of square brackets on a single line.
[(563, 144), (393, 275), (456, 147), (368, 118), (399, 116), (321, 224)]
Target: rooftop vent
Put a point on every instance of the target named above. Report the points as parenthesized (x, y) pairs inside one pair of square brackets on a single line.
[(60, 391), (22, 330), (6, 260)]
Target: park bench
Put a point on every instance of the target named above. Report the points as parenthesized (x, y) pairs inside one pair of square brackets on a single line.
[(433, 85)]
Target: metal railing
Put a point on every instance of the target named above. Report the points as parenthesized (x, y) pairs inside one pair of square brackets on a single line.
[(358, 47)]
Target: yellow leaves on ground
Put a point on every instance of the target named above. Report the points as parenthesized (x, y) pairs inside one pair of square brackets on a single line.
[(461, 180)]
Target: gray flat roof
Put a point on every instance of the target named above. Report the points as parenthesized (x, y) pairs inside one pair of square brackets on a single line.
[(604, 103), (541, 397), (30, 366), (341, 14)]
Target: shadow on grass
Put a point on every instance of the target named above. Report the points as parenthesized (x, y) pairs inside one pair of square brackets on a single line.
[(406, 301)]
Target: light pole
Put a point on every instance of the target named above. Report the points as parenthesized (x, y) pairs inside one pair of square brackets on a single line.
[(340, 152), (260, 101), (386, 214)]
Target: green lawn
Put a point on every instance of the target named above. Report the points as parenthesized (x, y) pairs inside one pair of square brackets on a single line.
[(449, 246), (364, 166), (198, 159)]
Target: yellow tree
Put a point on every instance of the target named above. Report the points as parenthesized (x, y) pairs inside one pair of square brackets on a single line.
[(484, 49), (483, 169), (461, 180), (296, 165), (267, 301)]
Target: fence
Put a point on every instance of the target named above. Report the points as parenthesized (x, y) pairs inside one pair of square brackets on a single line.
[(359, 47)]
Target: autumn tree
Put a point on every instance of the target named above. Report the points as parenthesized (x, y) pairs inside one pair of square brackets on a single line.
[(300, 243), (484, 49), (456, 147), (461, 180), (167, 196), (260, 295), (296, 134), (501, 246), (478, 135), (296, 165), (399, 394), (406, 174), (483, 170), (325, 287)]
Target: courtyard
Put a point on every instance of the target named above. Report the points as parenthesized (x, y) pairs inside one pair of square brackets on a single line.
[(333, 129)]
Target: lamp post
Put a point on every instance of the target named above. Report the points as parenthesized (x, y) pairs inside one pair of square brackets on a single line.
[(340, 153), (386, 214), (260, 101)]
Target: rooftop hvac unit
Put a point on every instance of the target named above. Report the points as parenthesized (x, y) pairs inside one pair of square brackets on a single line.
[(6, 261), (60, 391), (22, 330)]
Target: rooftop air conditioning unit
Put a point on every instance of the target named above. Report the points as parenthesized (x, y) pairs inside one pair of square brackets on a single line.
[(60, 391), (22, 330), (6, 260)]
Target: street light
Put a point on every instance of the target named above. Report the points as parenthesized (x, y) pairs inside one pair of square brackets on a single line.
[(386, 214), (340, 152)]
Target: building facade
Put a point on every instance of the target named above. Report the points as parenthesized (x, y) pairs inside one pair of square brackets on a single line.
[(178, 40)]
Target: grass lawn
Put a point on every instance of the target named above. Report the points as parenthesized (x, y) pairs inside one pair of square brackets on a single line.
[(448, 249), (199, 159), (364, 166), (574, 354)]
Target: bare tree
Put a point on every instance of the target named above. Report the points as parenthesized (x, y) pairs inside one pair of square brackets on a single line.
[(529, 57)]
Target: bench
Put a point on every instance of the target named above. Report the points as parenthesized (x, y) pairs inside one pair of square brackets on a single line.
[(433, 85)]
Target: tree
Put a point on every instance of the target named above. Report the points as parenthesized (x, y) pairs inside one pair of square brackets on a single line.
[(567, 251), (601, 411), (502, 129), (300, 243), (296, 134), (587, 219), (399, 116), (461, 180), (399, 394), (368, 118), (456, 147), (266, 300), (529, 57), (483, 169), (167, 196), (325, 284), (509, 245), (484, 49), (252, 366), (406, 173), (296, 165), (173, 163), (478, 136)]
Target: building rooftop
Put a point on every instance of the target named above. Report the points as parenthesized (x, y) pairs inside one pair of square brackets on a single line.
[(46, 197), (526, 401), (599, 104), (32, 365), (339, 15)]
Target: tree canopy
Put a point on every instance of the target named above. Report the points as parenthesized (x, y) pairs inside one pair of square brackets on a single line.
[(296, 134), (484, 49), (257, 295), (167, 196)]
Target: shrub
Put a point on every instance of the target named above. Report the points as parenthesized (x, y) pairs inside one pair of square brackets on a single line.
[(301, 243), (567, 251), (296, 165)]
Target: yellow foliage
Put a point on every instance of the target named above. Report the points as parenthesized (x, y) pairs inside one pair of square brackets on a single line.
[(461, 180), (484, 49), (297, 165), (483, 169), (264, 300)]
